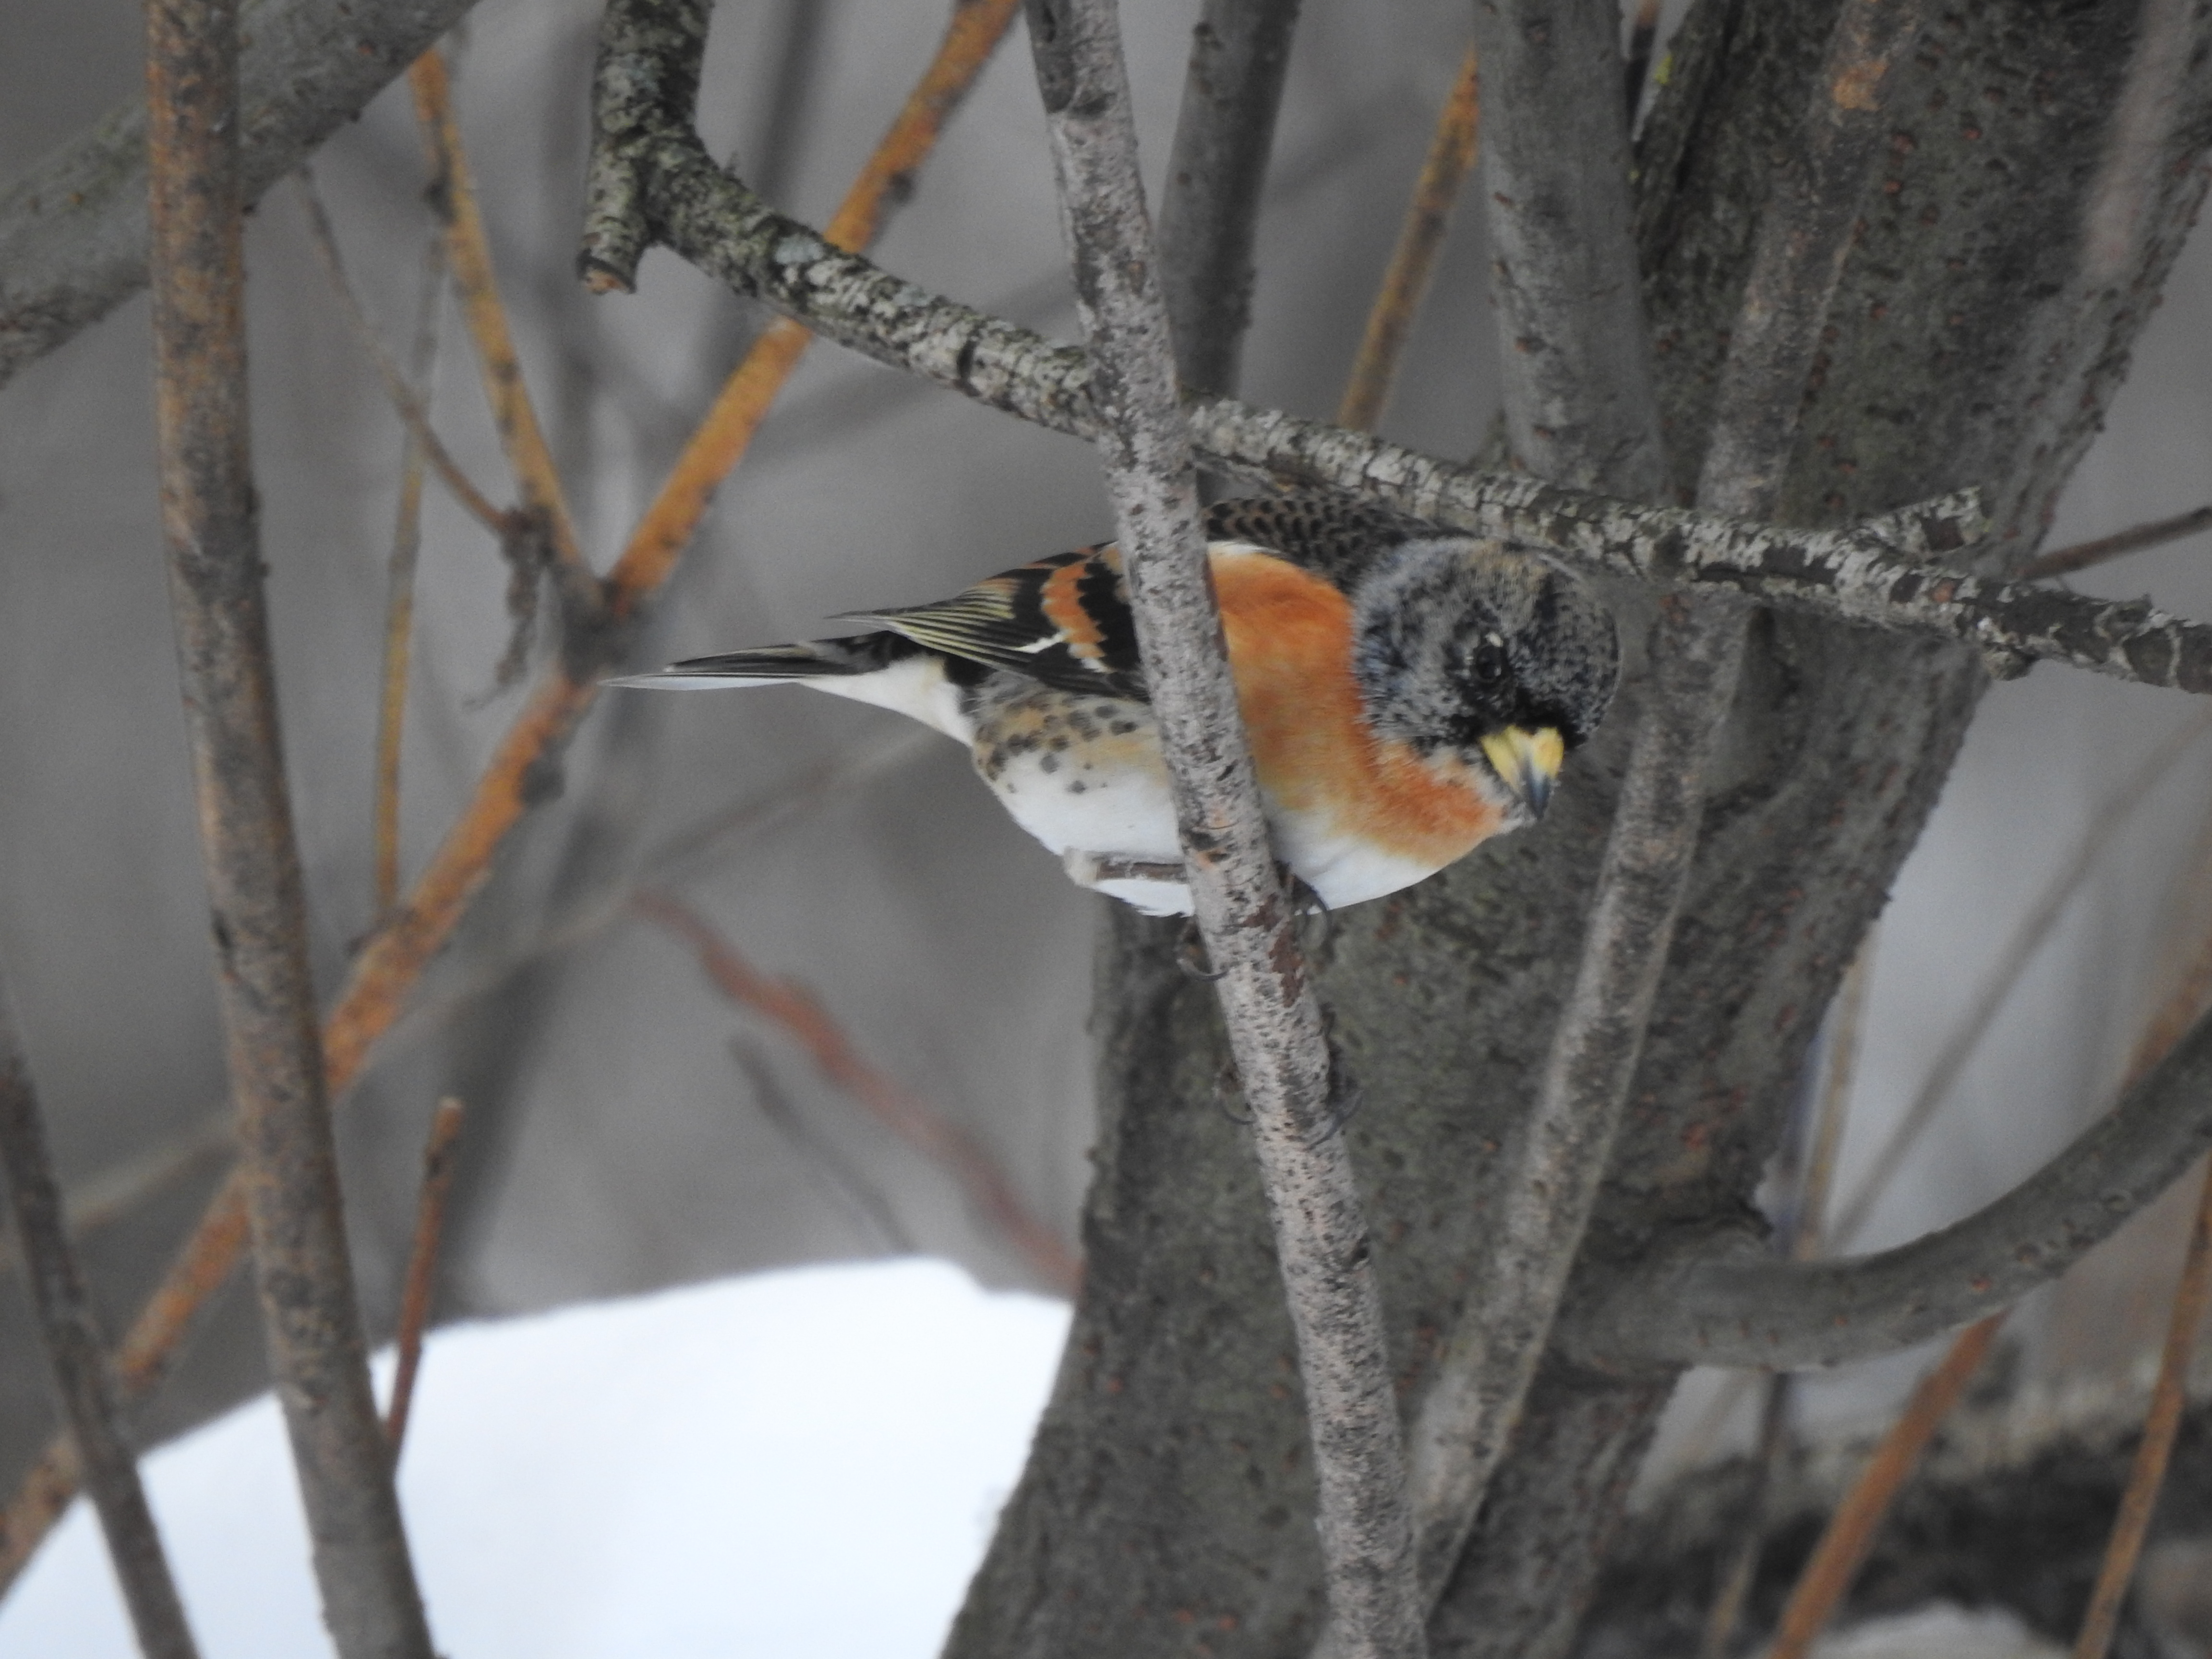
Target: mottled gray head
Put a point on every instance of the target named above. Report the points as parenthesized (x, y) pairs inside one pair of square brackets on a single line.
[(1505, 658)]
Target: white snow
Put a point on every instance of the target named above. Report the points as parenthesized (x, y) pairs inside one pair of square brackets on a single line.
[(804, 1463)]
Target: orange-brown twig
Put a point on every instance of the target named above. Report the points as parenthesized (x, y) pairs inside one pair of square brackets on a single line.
[(1843, 1548), (422, 1266), (470, 250), (951, 1148), (1451, 153), (526, 762), (2163, 1423)]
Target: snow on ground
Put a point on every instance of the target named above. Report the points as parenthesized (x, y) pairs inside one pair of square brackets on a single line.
[(804, 1463)]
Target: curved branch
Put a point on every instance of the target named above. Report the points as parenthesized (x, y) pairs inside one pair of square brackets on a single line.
[(73, 229), (1750, 1309), (710, 219)]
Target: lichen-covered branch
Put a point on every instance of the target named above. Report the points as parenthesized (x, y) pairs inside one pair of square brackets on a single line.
[(711, 219), (1268, 1001)]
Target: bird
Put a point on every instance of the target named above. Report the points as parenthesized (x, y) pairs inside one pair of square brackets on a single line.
[(1408, 691)]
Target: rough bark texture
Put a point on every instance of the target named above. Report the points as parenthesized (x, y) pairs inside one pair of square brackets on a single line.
[(73, 229), (1161, 1511), (258, 902)]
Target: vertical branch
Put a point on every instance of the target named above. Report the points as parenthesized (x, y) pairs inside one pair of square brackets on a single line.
[(1579, 407), (1842, 1551), (469, 249), (1216, 167), (1268, 999), (438, 1163), (267, 998), (1414, 261), (78, 1360)]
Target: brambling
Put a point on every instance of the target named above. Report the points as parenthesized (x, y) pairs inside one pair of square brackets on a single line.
[(1408, 693)]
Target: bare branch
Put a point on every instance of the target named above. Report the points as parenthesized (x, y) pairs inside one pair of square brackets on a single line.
[(1843, 1548), (1217, 166), (123, 1188), (1268, 999), (1711, 1305), (2065, 561), (523, 771), (714, 222), (73, 229), (1414, 261), (817, 1156), (405, 399), (923, 1128), (309, 1313), (438, 1166), (469, 251), (77, 1358), (2168, 1396)]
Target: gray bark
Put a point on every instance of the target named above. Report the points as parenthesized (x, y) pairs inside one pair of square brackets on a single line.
[(73, 229)]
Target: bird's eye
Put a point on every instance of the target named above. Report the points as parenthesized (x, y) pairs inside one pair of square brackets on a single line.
[(1489, 664)]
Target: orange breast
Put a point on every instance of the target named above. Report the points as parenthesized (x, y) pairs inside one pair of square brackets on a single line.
[(1290, 648)]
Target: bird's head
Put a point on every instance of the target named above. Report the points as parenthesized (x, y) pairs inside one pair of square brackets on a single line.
[(1498, 659)]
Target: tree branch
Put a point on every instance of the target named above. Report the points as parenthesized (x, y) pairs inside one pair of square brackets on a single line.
[(78, 1360), (265, 991), (421, 1284), (1273, 1015), (1735, 1307), (526, 766), (712, 220), (1210, 204), (73, 229)]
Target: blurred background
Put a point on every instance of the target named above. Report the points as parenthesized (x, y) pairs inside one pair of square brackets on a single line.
[(627, 1128)]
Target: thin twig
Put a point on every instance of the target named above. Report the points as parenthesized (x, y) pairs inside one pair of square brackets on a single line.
[(469, 250), (929, 1131), (2168, 1396), (77, 1358), (1268, 1003), (1734, 1589), (400, 388), (1414, 261), (438, 1166), (2065, 561), (2013, 963), (399, 586), (310, 1315), (817, 1155), (1240, 50), (124, 1188), (1837, 1558), (523, 767)]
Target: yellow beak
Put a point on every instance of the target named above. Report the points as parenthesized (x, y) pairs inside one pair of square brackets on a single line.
[(1529, 762)]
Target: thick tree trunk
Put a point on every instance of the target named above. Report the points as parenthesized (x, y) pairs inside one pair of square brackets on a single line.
[(2043, 171)]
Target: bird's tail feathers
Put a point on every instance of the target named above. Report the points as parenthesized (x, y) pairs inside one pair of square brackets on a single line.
[(779, 664)]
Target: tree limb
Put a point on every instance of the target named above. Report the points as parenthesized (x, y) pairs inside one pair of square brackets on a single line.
[(1268, 1003), (1701, 1306), (73, 229), (712, 220), (78, 1359), (264, 989), (1239, 51)]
